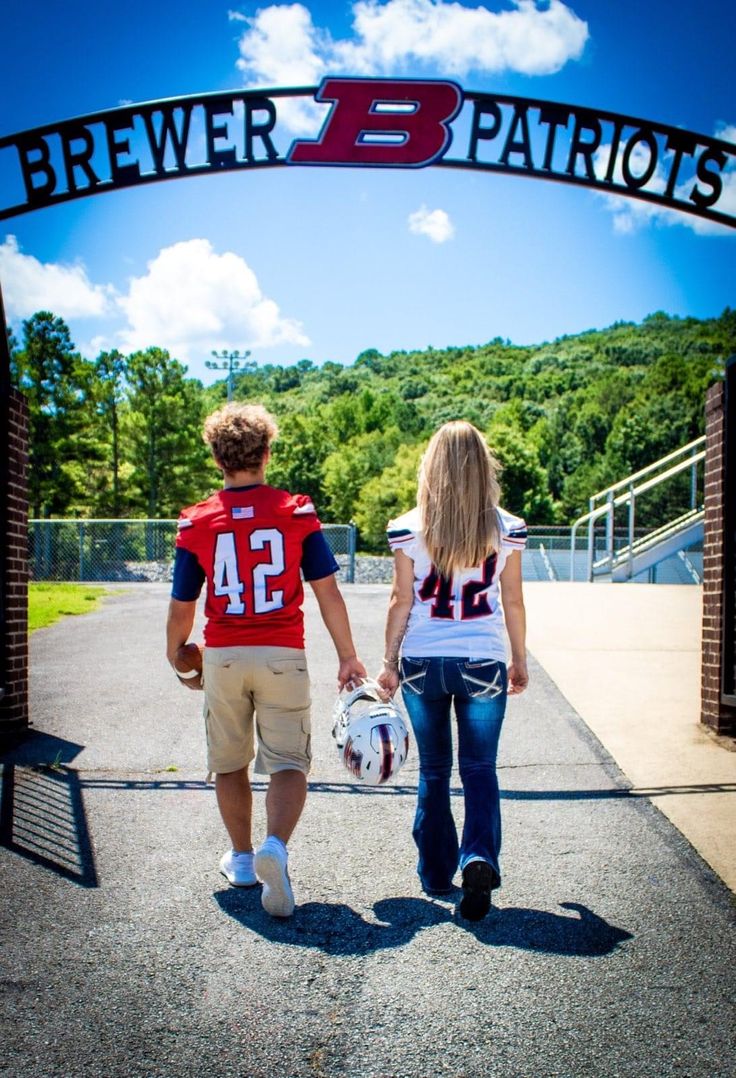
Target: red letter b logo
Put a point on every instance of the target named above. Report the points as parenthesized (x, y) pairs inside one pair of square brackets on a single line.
[(399, 123)]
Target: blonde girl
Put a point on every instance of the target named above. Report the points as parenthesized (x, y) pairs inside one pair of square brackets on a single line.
[(457, 559)]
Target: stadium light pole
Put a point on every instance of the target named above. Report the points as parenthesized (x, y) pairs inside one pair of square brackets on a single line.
[(230, 363)]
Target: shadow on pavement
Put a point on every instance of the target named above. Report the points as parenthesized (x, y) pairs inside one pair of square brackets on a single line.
[(586, 935), (37, 749), (615, 792), (606, 794), (337, 929), (43, 819)]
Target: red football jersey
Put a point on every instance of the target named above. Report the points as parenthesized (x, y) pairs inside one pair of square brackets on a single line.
[(249, 544)]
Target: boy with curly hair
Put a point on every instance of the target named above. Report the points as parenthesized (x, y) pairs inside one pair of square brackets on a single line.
[(251, 544)]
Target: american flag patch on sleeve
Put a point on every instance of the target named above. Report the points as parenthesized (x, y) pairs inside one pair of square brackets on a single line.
[(242, 512)]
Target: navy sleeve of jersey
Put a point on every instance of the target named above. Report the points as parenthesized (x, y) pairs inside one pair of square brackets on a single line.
[(188, 576), (318, 561)]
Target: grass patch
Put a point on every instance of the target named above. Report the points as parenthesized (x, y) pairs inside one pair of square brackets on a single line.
[(49, 602)]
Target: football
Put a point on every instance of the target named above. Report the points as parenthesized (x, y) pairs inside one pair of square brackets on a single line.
[(188, 665)]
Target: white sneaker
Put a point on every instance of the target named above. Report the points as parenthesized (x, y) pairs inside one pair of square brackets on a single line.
[(237, 868), (271, 868)]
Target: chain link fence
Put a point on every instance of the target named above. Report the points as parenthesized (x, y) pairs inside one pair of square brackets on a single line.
[(143, 550), (132, 550)]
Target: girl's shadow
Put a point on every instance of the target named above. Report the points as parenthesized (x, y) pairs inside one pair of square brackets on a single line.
[(337, 929)]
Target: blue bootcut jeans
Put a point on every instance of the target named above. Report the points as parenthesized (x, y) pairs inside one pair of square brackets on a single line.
[(477, 687)]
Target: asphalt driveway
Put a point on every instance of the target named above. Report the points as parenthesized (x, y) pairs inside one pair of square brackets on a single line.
[(124, 953)]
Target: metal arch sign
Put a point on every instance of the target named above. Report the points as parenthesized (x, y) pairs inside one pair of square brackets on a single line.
[(370, 123)]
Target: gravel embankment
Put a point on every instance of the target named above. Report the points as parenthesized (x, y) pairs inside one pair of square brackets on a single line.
[(369, 569)]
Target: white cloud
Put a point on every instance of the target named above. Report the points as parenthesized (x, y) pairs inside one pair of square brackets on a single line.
[(435, 224), (193, 300), (632, 214), (282, 47), (533, 39), (30, 286)]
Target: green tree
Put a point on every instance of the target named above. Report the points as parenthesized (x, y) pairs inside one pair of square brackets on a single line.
[(386, 496), (59, 387), (347, 469), (109, 398), (298, 455), (170, 463), (524, 486), (666, 412), (584, 409)]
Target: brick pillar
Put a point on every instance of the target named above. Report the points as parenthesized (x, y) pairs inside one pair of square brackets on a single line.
[(717, 705), (14, 566)]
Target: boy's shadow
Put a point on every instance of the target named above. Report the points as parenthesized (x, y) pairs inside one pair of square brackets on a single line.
[(337, 929)]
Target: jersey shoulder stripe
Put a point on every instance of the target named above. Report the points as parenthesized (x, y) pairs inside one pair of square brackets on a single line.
[(283, 503), (514, 532), (303, 510), (250, 504), (407, 522)]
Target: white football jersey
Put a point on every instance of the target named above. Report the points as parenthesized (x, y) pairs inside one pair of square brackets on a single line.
[(461, 617)]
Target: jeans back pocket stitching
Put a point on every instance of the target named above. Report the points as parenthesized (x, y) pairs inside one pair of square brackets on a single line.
[(420, 674), (490, 689), (407, 682)]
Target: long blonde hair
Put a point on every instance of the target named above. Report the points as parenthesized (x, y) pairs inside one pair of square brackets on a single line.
[(458, 497)]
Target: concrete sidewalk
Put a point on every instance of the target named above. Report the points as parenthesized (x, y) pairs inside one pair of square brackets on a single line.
[(628, 660), (610, 952)]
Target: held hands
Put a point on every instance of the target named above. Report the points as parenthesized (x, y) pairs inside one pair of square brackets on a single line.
[(518, 677)]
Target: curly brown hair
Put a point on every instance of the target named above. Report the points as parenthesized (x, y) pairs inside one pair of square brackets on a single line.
[(239, 436)]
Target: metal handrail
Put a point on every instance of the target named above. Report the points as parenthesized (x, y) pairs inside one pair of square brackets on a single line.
[(654, 536), (628, 497), (649, 468), (683, 466)]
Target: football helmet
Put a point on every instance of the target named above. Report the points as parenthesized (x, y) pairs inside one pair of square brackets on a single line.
[(370, 733)]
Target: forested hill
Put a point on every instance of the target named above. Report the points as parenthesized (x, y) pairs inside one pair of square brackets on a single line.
[(120, 436)]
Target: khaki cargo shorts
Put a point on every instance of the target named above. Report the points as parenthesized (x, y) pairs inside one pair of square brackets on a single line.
[(265, 687)]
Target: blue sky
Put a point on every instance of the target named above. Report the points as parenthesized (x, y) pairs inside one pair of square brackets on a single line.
[(324, 263)]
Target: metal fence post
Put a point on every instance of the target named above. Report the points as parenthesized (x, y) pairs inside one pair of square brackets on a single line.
[(632, 511), (47, 537), (81, 549), (694, 483), (591, 549), (573, 541), (610, 525), (352, 534)]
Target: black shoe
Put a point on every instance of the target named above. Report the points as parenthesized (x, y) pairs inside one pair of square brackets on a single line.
[(478, 879)]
